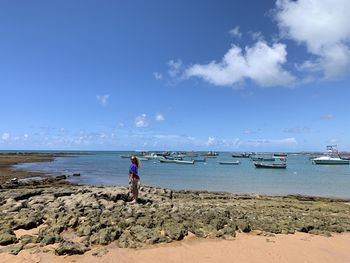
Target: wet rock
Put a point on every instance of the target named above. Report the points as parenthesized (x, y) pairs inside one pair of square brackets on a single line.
[(60, 177), (49, 235), (27, 221), (70, 248), (7, 236), (105, 236), (26, 239)]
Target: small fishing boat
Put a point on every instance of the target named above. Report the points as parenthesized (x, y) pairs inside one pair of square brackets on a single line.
[(211, 154), (271, 165), (184, 162), (167, 160), (125, 156), (229, 162), (241, 155)]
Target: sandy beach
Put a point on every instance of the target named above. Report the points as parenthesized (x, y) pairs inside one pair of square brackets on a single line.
[(246, 248), (51, 221)]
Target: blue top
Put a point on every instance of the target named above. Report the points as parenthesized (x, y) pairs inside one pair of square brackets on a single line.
[(133, 170)]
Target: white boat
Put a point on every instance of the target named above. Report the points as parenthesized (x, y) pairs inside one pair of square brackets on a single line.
[(153, 156), (229, 162), (330, 160), (331, 157), (167, 160), (184, 162)]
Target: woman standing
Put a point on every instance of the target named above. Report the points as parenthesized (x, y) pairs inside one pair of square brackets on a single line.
[(134, 178)]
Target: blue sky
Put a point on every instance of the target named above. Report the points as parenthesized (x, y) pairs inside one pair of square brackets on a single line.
[(174, 75)]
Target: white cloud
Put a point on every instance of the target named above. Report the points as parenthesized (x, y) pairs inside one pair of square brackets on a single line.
[(141, 121), (323, 27), (257, 36), (271, 142), (297, 130), (260, 63), (235, 32), (5, 136), (159, 116), (175, 68), (210, 141), (166, 136), (327, 117), (103, 99), (157, 75)]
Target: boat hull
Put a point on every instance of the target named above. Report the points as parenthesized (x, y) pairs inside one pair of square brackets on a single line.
[(331, 162), (270, 165), (229, 163), (184, 162)]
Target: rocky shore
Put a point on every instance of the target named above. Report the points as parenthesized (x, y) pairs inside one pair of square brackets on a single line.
[(76, 218)]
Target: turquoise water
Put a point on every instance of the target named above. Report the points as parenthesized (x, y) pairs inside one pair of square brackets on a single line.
[(300, 177)]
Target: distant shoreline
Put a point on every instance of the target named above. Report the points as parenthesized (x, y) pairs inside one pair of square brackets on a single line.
[(9, 159)]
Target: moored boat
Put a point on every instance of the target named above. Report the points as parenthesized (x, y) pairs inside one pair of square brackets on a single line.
[(211, 154), (330, 160), (241, 155), (229, 162), (184, 162), (167, 160), (331, 157), (271, 165)]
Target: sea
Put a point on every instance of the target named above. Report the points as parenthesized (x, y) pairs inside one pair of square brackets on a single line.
[(300, 177)]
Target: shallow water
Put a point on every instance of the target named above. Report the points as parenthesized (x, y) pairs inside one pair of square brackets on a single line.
[(300, 177)]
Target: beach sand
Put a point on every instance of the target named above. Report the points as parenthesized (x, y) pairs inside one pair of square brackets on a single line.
[(247, 248)]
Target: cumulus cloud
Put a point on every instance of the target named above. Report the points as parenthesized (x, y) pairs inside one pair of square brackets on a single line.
[(157, 75), (235, 32), (322, 26), (103, 99), (141, 121), (175, 68), (159, 116), (210, 141), (5, 136), (260, 63)]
